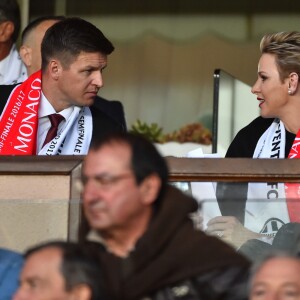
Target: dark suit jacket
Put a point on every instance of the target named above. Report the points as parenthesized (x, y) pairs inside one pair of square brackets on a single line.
[(108, 116), (113, 109)]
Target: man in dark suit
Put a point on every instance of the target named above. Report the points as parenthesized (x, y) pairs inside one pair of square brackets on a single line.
[(30, 52), (53, 111)]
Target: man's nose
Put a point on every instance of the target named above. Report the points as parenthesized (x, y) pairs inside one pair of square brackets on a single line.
[(98, 79), (89, 191)]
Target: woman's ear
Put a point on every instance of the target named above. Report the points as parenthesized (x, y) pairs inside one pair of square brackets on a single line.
[(293, 83)]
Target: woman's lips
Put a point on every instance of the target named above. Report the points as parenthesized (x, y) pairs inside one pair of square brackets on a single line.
[(261, 101)]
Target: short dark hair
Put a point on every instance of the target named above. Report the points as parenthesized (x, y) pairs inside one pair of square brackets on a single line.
[(10, 11), (66, 39), (36, 22), (145, 159), (79, 266)]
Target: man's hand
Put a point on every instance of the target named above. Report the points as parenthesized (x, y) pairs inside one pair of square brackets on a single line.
[(230, 230)]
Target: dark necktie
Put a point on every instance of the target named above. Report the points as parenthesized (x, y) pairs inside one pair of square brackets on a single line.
[(55, 120)]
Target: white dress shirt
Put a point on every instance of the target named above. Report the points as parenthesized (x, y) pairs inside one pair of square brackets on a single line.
[(12, 69), (46, 109)]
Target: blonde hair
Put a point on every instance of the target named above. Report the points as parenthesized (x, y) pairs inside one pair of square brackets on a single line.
[(286, 48)]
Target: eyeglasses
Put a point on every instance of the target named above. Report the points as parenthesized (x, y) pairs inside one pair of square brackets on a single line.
[(105, 181)]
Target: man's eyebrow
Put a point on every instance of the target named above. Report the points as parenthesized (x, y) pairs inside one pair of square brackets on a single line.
[(31, 280), (100, 175), (291, 284), (259, 284), (92, 67)]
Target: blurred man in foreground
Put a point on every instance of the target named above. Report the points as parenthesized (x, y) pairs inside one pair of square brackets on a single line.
[(141, 228), (277, 277), (60, 271)]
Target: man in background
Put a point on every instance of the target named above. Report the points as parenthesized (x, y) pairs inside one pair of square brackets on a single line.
[(12, 69), (60, 271), (141, 228), (31, 40)]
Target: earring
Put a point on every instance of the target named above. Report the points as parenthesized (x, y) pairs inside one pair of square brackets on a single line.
[(289, 92)]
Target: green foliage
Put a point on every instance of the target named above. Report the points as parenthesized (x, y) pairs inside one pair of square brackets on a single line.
[(190, 133), (194, 132), (152, 132)]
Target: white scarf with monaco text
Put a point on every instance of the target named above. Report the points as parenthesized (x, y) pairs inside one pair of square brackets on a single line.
[(266, 209), (74, 137)]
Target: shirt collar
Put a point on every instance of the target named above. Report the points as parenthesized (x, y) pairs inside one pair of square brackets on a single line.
[(94, 236), (46, 109)]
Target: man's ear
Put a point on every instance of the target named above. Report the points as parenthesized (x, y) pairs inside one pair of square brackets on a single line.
[(26, 55), (150, 188), (6, 30), (55, 69), (81, 292)]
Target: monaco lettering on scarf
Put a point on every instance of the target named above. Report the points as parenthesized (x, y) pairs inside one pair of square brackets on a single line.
[(19, 120), (268, 205), (19, 124), (292, 190)]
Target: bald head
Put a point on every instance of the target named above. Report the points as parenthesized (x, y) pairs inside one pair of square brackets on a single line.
[(277, 278), (62, 271), (32, 36)]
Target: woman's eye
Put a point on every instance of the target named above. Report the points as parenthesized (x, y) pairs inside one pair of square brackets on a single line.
[(263, 78)]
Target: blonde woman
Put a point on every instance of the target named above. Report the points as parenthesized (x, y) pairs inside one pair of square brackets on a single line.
[(258, 210)]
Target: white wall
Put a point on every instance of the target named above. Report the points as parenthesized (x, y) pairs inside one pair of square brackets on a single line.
[(162, 67)]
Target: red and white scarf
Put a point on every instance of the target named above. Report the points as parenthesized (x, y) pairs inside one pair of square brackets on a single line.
[(19, 124), (270, 205), (292, 190)]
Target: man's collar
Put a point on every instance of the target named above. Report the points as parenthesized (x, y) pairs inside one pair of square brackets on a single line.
[(46, 109), (94, 236)]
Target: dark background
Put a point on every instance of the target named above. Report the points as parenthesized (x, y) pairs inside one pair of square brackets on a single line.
[(38, 7)]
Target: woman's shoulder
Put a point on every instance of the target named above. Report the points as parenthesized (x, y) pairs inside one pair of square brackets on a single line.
[(259, 124), (244, 143)]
